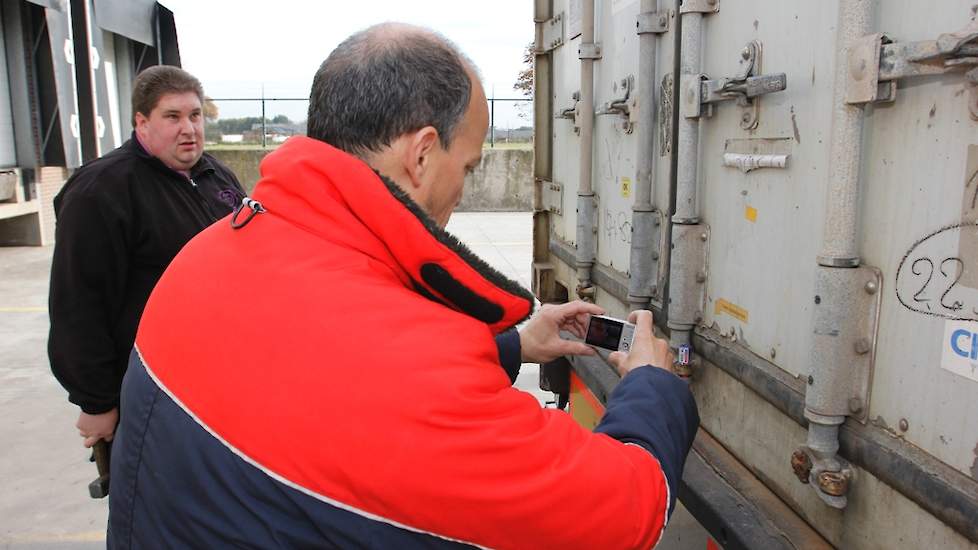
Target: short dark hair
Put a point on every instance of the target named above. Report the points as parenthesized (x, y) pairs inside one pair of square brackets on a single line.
[(384, 82), (156, 81)]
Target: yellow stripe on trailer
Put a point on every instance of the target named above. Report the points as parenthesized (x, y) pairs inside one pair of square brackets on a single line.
[(585, 408)]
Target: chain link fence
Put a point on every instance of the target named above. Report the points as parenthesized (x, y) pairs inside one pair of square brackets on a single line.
[(268, 121)]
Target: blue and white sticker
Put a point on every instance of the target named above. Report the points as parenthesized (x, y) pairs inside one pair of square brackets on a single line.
[(960, 348), (683, 358)]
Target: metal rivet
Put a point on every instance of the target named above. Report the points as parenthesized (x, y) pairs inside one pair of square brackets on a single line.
[(855, 405), (871, 287), (904, 425), (774, 353), (745, 54), (811, 380), (700, 277), (818, 299), (862, 346), (703, 237)]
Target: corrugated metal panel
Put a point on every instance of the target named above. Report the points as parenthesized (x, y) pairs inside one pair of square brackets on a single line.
[(919, 173), (133, 19), (615, 147), (766, 225), (59, 31), (763, 231), (567, 82), (8, 152), (52, 4)]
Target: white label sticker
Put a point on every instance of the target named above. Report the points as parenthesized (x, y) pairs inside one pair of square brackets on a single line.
[(960, 348)]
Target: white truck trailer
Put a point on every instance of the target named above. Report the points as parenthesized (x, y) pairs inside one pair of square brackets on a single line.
[(790, 186)]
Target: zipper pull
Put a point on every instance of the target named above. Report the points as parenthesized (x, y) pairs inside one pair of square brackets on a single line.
[(192, 182)]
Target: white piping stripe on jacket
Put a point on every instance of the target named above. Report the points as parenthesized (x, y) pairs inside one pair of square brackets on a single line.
[(668, 492), (283, 480)]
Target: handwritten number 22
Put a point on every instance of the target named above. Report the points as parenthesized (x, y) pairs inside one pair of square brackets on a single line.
[(954, 306)]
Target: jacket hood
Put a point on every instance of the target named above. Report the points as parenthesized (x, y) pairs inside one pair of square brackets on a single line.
[(338, 197)]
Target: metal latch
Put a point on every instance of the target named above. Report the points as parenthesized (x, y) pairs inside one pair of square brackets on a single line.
[(875, 63), (570, 113), (624, 106), (746, 87)]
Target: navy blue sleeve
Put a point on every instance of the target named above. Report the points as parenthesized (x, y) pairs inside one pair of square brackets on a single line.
[(510, 353), (654, 408)]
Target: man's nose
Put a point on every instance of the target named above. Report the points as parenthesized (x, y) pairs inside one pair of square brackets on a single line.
[(186, 126)]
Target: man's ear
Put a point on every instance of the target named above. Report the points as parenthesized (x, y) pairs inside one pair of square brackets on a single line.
[(139, 122), (417, 154)]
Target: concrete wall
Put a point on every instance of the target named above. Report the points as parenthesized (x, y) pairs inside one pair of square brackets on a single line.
[(503, 182), (243, 162)]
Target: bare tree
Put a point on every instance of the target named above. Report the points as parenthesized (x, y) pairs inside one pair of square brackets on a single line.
[(524, 81)]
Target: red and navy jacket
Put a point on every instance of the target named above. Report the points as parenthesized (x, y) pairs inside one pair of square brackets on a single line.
[(326, 376)]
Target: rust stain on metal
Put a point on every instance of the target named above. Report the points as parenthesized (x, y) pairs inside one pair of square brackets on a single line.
[(833, 483), (794, 125), (801, 465), (974, 465)]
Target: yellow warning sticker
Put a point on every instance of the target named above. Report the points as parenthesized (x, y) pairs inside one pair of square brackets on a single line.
[(626, 187), (751, 214), (733, 310)]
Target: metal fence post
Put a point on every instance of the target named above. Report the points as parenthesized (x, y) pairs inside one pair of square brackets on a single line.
[(492, 122), (264, 133)]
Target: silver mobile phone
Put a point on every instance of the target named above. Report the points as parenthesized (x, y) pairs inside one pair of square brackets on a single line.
[(609, 333)]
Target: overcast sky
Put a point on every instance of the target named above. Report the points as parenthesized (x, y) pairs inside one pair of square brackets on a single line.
[(236, 47)]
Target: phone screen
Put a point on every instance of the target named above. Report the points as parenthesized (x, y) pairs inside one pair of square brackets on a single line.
[(604, 333)]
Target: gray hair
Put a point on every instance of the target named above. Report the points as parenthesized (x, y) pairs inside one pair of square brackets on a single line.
[(387, 81)]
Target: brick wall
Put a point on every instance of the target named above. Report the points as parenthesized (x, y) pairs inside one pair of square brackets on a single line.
[(50, 180)]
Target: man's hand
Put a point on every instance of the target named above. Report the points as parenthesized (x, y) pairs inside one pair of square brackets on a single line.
[(540, 339), (97, 426), (646, 348)]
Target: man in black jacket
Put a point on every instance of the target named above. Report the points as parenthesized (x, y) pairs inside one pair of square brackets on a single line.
[(121, 220)]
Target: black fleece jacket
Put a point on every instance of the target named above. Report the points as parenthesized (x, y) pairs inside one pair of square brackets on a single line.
[(120, 221)]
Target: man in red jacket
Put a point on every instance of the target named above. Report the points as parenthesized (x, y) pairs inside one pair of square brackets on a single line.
[(322, 372)]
